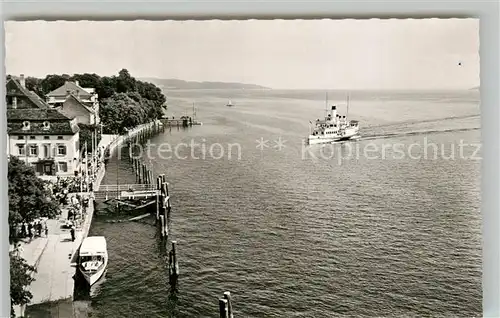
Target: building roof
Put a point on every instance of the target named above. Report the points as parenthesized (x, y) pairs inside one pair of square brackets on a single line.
[(93, 244), (59, 124), (34, 114), (36, 100), (72, 88), (79, 101)]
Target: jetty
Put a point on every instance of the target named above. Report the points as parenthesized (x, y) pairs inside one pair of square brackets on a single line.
[(52, 255), (55, 274), (184, 121)]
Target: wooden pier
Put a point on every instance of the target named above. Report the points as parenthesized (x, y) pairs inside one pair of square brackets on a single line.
[(156, 190), (184, 121), (126, 191)]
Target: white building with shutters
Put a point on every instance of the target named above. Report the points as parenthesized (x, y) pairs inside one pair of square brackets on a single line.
[(43, 137)]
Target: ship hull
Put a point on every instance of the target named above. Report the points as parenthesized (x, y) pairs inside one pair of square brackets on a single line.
[(315, 140), (94, 276)]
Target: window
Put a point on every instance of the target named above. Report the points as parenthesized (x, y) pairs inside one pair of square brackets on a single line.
[(33, 150), (61, 150), (63, 166), (32, 137), (46, 151), (20, 137), (46, 137), (60, 137), (26, 125), (46, 125), (21, 151)]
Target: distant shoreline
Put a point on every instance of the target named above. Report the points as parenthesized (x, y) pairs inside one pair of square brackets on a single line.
[(181, 84), (176, 84)]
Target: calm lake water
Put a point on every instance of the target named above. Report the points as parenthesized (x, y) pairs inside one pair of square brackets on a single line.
[(378, 227)]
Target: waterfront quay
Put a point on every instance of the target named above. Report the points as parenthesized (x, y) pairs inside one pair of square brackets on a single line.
[(51, 254)]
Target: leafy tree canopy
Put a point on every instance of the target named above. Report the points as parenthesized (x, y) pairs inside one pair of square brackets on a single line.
[(149, 99), (86, 136), (29, 196), (20, 279)]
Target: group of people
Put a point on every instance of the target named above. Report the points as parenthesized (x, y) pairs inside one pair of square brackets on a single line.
[(61, 190), (34, 229)]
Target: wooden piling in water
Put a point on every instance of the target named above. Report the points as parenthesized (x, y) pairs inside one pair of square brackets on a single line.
[(223, 310), (151, 177), (161, 210), (158, 197), (144, 173), (136, 170), (173, 267), (168, 197), (163, 226), (157, 207), (176, 263), (139, 172), (227, 296)]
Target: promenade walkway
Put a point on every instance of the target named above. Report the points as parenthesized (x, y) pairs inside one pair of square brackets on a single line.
[(51, 256)]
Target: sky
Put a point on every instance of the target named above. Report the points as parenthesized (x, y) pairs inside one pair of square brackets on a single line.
[(289, 54)]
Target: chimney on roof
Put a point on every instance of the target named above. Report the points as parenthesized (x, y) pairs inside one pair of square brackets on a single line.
[(76, 82), (22, 81), (77, 93)]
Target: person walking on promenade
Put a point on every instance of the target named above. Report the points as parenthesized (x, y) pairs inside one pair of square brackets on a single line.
[(24, 230), (19, 249), (46, 229), (72, 231), (30, 230), (38, 227)]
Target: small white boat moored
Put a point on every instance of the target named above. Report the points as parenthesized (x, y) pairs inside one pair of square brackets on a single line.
[(93, 258)]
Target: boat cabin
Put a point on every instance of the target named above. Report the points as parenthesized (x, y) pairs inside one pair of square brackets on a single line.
[(93, 249)]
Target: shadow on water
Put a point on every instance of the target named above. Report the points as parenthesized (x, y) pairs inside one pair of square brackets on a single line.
[(82, 291)]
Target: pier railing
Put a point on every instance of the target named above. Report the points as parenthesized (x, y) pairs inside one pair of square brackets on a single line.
[(121, 191), (126, 187)]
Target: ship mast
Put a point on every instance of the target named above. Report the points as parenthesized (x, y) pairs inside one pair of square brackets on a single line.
[(326, 104), (347, 114)]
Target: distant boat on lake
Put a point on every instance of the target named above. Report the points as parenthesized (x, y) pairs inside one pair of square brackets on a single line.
[(229, 103)]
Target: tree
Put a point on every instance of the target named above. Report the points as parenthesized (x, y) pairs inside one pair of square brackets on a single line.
[(20, 279), (120, 113), (34, 84), (29, 196), (125, 83), (147, 101), (51, 82), (87, 80), (86, 136)]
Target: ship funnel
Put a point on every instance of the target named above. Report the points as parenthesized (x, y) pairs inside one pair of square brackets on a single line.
[(334, 111)]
